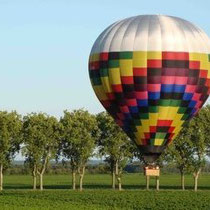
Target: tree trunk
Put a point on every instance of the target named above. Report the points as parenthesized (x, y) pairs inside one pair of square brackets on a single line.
[(73, 179), (82, 172), (1, 177), (113, 177), (73, 171), (196, 175), (41, 173), (41, 181), (147, 182), (34, 182), (195, 183), (117, 172), (116, 168), (34, 174), (182, 181), (157, 182), (119, 182)]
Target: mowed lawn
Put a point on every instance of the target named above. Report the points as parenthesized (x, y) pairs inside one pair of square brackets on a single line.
[(97, 193)]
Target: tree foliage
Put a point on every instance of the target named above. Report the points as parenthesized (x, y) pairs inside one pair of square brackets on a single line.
[(78, 140), (114, 145), (41, 135), (199, 135), (180, 153), (10, 139)]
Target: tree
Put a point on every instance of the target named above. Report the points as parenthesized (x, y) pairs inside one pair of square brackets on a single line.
[(199, 132), (10, 139), (41, 135), (114, 145), (180, 153), (78, 141)]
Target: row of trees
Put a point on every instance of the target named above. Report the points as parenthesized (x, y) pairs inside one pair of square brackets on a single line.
[(78, 135)]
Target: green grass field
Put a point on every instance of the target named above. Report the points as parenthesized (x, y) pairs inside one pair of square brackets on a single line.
[(98, 195)]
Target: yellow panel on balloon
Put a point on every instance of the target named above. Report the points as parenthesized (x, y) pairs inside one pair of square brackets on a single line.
[(177, 129), (140, 55), (145, 125), (114, 76), (106, 84), (204, 57), (194, 56), (139, 136), (177, 120), (94, 57), (153, 118), (204, 65), (208, 70), (167, 112), (141, 129), (99, 90), (158, 142), (126, 67), (139, 59), (154, 55)]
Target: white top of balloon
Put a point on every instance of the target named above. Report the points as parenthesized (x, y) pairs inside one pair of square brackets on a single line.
[(152, 33)]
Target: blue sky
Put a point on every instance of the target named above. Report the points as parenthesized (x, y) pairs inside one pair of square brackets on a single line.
[(45, 44)]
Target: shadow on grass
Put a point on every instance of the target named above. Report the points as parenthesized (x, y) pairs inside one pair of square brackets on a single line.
[(102, 187), (17, 187)]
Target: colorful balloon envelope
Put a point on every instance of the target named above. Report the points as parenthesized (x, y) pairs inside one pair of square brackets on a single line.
[(151, 73)]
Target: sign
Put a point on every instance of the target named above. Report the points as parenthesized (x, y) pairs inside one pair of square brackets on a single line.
[(151, 171)]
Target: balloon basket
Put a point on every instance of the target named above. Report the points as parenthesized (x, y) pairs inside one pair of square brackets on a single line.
[(152, 171)]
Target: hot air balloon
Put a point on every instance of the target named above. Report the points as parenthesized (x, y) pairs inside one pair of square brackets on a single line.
[(152, 74)]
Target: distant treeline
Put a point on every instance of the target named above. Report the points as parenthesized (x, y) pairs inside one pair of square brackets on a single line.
[(78, 135), (99, 168)]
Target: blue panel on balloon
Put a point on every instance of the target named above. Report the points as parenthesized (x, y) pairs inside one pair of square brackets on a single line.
[(187, 96), (179, 88), (192, 104), (154, 95), (142, 102), (167, 88), (133, 109)]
